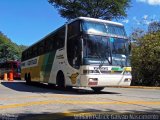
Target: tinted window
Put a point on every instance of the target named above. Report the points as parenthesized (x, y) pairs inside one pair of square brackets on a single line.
[(52, 42), (59, 38), (34, 49), (48, 45), (74, 45), (41, 47), (73, 29), (102, 28), (14, 65)]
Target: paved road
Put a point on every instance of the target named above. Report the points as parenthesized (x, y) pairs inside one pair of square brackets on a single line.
[(20, 101)]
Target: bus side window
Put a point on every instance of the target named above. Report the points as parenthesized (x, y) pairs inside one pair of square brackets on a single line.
[(41, 47), (47, 45), (27, 54), (34, 50), (73, 29), (19, 69), (73, 47), (52, 44), (8, 66), (30, 53), (14, 66), (23, 56), (59, 38)]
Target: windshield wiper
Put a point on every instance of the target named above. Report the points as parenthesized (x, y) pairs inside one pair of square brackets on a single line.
[(106, 58), (102, 62), (101, 59)]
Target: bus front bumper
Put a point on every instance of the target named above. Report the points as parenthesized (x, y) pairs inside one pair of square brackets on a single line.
[(105, 80)]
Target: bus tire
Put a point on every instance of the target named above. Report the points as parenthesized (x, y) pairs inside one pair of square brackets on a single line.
[(60, 80), (97, 89), (25, 77), (28, 78), (50, 85), (69, 87)]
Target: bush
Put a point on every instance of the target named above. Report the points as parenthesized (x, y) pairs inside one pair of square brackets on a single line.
[(145, 60)]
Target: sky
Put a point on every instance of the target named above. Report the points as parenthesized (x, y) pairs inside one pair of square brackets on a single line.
[(27, 21)]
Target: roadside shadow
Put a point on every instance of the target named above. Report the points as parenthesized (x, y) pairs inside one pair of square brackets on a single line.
[(43, 88), (90, 114)]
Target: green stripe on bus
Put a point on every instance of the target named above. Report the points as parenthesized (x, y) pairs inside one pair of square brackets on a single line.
[(47, 65), (117, 69)]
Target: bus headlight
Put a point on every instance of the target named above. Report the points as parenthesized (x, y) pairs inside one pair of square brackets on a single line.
[(92, 79), (127, 79), (126, 73)]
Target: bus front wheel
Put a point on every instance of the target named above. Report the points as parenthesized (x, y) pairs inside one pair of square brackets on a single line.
[(60, 80), (97, 89)]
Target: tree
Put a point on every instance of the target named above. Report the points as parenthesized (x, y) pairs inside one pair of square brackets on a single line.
[(145, 60), (154, 26), (9, 50), (104, 9), (6, 53), (136, 34)]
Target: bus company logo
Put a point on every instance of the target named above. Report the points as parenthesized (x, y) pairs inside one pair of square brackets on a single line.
[(60, 57), (73, 77), (101, 69)]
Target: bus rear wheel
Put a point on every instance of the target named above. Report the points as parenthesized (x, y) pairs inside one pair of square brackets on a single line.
[(60, 80), (97, 89), (27, 77)]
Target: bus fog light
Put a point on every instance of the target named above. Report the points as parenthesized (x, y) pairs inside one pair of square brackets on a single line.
[(127, 80), (93, 79)]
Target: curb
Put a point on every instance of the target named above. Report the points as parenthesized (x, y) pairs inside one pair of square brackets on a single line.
[(139, 87)]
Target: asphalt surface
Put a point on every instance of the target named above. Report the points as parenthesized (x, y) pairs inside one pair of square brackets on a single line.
[(19, 101)]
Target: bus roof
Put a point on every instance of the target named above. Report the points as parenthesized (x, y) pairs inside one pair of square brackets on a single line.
[(95, 20), (79, 18)]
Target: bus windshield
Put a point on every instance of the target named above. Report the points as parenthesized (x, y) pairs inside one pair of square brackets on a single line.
[(102, 28), (105, 42), (105, 48), (120, 51), (95, 46)]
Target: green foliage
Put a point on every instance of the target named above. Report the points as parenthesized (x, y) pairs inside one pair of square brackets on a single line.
[(154, 26), (104, 9), (146, 60), (9, 50)]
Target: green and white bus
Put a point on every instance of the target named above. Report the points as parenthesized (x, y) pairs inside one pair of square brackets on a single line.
[(85, 52)]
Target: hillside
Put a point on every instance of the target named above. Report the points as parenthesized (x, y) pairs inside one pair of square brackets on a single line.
[(9, 50)]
